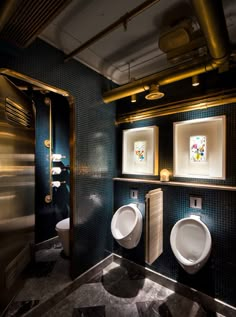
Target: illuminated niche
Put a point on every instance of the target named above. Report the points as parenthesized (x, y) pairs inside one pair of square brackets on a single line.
[(199, 148), (140, 151)]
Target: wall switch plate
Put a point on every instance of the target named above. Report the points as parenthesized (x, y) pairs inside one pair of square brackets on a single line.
[(133, 193), (195, 202)]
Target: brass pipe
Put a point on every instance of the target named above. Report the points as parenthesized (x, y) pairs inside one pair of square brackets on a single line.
[(121, 21), (49, 197), (187, 73), (218, 47), (162, 78), (210, 15), (125, 91)]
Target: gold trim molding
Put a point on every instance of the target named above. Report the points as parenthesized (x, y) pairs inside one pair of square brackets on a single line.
[(224, 97)]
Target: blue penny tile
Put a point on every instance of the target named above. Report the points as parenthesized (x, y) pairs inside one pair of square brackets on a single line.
[(96, 311)]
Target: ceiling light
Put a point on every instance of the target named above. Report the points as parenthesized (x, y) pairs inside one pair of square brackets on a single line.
[(154, 93), (195, 81), (133, 98)]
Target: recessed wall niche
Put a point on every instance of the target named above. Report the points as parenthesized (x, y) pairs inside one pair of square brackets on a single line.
[(199, 148), (140, 151)]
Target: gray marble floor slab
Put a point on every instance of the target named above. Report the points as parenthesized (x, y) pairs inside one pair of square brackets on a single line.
[(128, 310), (119, 291)]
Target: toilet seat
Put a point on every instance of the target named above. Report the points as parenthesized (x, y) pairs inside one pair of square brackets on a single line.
[(63, 224), (191, 242), (63, 229)]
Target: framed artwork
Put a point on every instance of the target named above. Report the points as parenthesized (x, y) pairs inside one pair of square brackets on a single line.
[(140, 151), (199, 148)]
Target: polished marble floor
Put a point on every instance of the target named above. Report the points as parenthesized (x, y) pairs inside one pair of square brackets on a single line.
[(116, 292), (43, 279), (122, 293)]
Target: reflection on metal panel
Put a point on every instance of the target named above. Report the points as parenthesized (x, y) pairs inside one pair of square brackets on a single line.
[(17, 142)]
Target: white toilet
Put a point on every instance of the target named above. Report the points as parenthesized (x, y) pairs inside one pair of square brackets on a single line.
[(63, 229), (190, 240), (126, 226)]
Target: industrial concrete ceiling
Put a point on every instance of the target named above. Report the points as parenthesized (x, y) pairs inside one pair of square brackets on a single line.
[(132, 50)]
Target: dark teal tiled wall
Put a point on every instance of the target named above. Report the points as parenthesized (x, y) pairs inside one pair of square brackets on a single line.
[(217, 278), (95, 144)]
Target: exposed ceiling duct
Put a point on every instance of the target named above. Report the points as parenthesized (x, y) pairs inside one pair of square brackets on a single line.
[(211, 18), (123, 20), (178, 36), (22, 20), (182, 42)]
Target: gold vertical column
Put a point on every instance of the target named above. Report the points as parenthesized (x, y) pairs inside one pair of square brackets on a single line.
[(48, 143)]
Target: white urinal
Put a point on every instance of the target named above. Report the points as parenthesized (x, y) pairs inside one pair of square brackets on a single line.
[(126, 226), (190, 240)]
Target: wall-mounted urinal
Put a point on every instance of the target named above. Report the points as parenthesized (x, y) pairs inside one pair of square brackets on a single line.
[(126, 226), (190, 240)]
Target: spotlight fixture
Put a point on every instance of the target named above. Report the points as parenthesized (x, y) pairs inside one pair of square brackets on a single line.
[(195, 81), (133, 98), (154, 93)]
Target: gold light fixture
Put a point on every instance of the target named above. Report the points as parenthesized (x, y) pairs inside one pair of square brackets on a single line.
[(195, 81), (164, 175), (133, 98), (154, 93)]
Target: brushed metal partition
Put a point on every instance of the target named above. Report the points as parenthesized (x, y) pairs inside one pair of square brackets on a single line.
[(17, 183), (17, 131)]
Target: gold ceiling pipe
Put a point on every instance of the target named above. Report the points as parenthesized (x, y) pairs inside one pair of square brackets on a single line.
[(210, 15), (162, 78), (197, 70), (218, 47)]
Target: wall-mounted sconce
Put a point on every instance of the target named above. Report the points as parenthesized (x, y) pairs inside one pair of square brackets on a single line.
[(164, 175), (154, 93), (133, 98), (195, 81)]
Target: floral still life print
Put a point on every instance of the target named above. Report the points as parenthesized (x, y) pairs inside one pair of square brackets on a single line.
[(140, 154), (198, 148)]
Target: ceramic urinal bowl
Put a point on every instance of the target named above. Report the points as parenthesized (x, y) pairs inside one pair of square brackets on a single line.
[(126, 226), (190, 240)]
